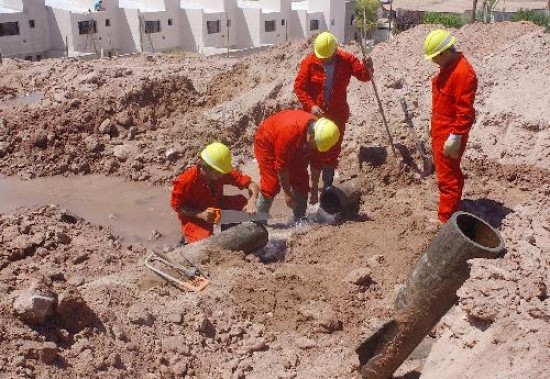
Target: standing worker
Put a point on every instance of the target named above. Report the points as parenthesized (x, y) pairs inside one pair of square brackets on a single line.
[(453, 113), (321, 86), (199, 189), (283, 146)]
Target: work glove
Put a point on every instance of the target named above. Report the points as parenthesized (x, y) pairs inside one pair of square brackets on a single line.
[(317, 111), (369, 66), (451, 147)]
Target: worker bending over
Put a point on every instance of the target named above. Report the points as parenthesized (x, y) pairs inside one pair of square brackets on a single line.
[(200, 188), (453, 113), (321, 86), (283, 146)]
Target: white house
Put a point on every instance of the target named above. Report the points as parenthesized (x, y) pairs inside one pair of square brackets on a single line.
[(73, 28), (24, 29), (313, 16)]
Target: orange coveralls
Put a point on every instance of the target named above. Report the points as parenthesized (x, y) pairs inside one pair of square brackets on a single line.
[(190, 189), (280, 144), (309, 88), (453, 94)]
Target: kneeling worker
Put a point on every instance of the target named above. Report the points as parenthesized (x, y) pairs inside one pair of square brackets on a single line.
[(283, 146), (200, 188)]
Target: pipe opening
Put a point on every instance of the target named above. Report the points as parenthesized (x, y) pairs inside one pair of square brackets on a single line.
[(478, 231), (331, 200)]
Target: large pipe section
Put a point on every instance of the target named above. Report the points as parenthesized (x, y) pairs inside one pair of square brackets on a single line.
[(247, 237), (429, 292), (344, 198)]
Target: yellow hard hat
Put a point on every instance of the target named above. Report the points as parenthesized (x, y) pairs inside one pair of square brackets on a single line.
[(437, 42), (326, 134), (217, 156), (325, 45)]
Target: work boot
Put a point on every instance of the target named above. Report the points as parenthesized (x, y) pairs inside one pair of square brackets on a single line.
[(264, 203), (300, 206), (182, 242), (328, 177)]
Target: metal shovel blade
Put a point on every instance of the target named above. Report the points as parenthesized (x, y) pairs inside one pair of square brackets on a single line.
[(229, 216)]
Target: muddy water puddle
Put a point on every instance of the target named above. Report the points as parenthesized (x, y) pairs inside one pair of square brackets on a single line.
[(29, 98), (137, 212), (133, 211)]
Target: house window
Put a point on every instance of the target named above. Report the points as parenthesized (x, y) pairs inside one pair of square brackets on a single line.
[(87, 27), (313, 24), (283, 22), (270, 26), (107, 22), (352, 20), (332, 22), (31, 24), (169, 22), (152, 27), (9, 29), (213, 27)]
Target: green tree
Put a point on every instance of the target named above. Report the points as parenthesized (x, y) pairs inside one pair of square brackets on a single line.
[(366, 15)]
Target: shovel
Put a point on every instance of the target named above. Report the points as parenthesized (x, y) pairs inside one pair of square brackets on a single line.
[(375, 88), (426, 159)]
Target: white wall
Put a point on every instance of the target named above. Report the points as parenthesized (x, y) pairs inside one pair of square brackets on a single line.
[(129, 31), (60, 23), (334, 16), (215, 39), (168, 36), (252, 18), (191, 32), (276, 36), (30, 41), (321, 17)]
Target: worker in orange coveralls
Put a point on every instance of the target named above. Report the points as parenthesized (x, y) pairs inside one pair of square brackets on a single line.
[(283, 146), (453, 113), (321, 86), (200, 188)]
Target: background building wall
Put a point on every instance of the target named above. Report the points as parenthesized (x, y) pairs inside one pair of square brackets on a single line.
[(129, 31), (252, 18), (191, 21), (33, 40)]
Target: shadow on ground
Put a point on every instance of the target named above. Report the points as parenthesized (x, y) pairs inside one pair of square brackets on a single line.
[(491, 211)]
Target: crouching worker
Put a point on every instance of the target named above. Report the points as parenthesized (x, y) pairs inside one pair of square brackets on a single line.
[(283, 146), (200, 188)]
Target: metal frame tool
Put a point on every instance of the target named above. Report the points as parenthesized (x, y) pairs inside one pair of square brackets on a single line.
[(191, 278)]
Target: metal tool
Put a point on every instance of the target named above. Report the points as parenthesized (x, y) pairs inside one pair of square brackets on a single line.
[(192, 278), (229, 216), (426, 159), (380, 107)]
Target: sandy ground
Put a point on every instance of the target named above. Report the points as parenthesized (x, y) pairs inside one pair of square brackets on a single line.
[(300, 315)]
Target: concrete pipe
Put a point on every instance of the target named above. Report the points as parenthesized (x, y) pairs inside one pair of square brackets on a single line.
[(343, 198), (429, 292), (247, 237)]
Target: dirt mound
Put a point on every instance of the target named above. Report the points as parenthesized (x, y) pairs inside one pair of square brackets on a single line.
[(301, 313)]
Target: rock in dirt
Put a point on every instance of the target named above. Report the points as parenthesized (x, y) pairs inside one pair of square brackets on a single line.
[(46, 351), (140, 316), (34, 306), (359, 277)]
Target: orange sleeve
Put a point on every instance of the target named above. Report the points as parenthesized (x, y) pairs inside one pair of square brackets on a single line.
[(181, 189), (301, 85), (465, 93), (357, 68), (238, 179)]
